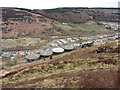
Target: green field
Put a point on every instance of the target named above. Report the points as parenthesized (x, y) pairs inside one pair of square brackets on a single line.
[(63, 27), (90, 27)]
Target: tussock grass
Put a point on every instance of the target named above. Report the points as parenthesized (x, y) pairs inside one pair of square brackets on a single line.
[(56, 68)]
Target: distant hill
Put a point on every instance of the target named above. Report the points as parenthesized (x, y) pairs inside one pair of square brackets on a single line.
[(81, 15), (21, 22), (65, 15)]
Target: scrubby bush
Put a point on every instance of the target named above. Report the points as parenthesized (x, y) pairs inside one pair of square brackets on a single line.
[(1, 67), (109, 48), (10, 62)]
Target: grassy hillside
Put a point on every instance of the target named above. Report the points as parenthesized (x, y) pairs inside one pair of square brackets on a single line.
[(63, 27), (88, 26), (68, 70), (92, 26), (69, 29)]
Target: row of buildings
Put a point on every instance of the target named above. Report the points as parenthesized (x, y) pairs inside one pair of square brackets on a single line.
[(114, 26), (57, 47)]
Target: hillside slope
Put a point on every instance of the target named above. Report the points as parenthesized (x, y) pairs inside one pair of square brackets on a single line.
[(16, 22), (83, 68), (81, 15)]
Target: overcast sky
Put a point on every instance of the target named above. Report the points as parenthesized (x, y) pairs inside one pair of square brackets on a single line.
[(48, 4)]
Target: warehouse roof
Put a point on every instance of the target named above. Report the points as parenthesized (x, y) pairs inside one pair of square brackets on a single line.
[(32, 56), (46, 52), (68, 47), (58, 50)]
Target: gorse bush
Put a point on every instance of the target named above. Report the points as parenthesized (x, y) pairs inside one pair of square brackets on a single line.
[(10, 62)]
